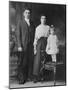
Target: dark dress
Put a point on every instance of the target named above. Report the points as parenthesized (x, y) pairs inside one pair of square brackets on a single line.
[(41, 45)]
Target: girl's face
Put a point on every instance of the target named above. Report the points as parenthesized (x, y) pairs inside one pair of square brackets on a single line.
[(52, 31)]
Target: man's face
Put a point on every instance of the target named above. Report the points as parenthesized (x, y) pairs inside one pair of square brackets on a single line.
[(43, 19), (27, 14)]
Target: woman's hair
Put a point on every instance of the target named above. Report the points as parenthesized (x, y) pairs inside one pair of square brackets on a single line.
[(43, 15)]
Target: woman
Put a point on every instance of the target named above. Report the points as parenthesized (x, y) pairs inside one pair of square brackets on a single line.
[(40, 42)]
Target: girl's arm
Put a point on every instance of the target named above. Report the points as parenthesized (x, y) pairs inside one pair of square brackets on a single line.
[(57, 41)]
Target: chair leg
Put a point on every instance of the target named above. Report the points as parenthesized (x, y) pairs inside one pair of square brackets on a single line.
[(54, 75)]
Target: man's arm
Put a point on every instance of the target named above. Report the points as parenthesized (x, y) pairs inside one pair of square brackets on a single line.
[(18, 36)]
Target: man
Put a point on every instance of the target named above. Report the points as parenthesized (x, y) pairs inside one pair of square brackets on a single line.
[(40, 41), (25, 37)]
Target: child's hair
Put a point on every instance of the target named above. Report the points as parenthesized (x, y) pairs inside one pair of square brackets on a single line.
[(52, 26)]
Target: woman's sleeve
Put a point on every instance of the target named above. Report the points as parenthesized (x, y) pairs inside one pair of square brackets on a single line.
[(47, 47), (36, 38), (48, 31)]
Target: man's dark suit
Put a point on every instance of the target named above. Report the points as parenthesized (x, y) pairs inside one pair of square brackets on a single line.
[(25, 38)]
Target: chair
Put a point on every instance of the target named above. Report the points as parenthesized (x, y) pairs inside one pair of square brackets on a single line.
[(51, 66)]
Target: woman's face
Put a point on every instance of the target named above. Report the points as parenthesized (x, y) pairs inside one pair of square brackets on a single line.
[(43, 19)]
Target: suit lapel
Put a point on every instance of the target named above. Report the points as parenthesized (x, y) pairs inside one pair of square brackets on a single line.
[(28, 28)]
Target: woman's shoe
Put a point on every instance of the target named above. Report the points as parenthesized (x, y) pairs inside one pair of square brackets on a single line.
[(35, 81)]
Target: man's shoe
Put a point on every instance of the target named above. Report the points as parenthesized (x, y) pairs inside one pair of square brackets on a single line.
[(22, 82)]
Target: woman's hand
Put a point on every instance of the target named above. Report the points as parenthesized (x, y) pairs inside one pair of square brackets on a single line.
[(35, 51)]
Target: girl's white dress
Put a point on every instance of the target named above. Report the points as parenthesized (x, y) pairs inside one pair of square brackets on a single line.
[(52, 45)]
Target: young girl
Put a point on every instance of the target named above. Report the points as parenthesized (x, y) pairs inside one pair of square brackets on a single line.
[(52, 44)]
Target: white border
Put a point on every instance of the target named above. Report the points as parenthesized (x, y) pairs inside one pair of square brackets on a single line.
[(4, 42), (45, 1)]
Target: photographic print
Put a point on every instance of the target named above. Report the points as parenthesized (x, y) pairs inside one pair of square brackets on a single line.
[(37, 44)]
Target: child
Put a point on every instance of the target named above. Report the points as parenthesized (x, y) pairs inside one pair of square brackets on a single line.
[(52, 44)]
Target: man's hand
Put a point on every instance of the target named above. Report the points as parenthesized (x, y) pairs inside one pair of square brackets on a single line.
[(20, 49)]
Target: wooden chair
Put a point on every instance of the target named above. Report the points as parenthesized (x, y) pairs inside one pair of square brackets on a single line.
[(51, 66)]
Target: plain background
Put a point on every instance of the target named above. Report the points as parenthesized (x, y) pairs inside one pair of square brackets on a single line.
[(55, 14), (4, 43)]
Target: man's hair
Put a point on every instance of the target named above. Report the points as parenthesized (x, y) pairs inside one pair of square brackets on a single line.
[(26, 9)]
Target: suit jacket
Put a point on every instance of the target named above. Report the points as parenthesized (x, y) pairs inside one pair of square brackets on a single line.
[(25, 33)]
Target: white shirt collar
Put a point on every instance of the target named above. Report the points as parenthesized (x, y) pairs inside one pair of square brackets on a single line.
[(27, 21)]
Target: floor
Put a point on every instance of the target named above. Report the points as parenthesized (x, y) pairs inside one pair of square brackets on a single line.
[(32, 84)]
